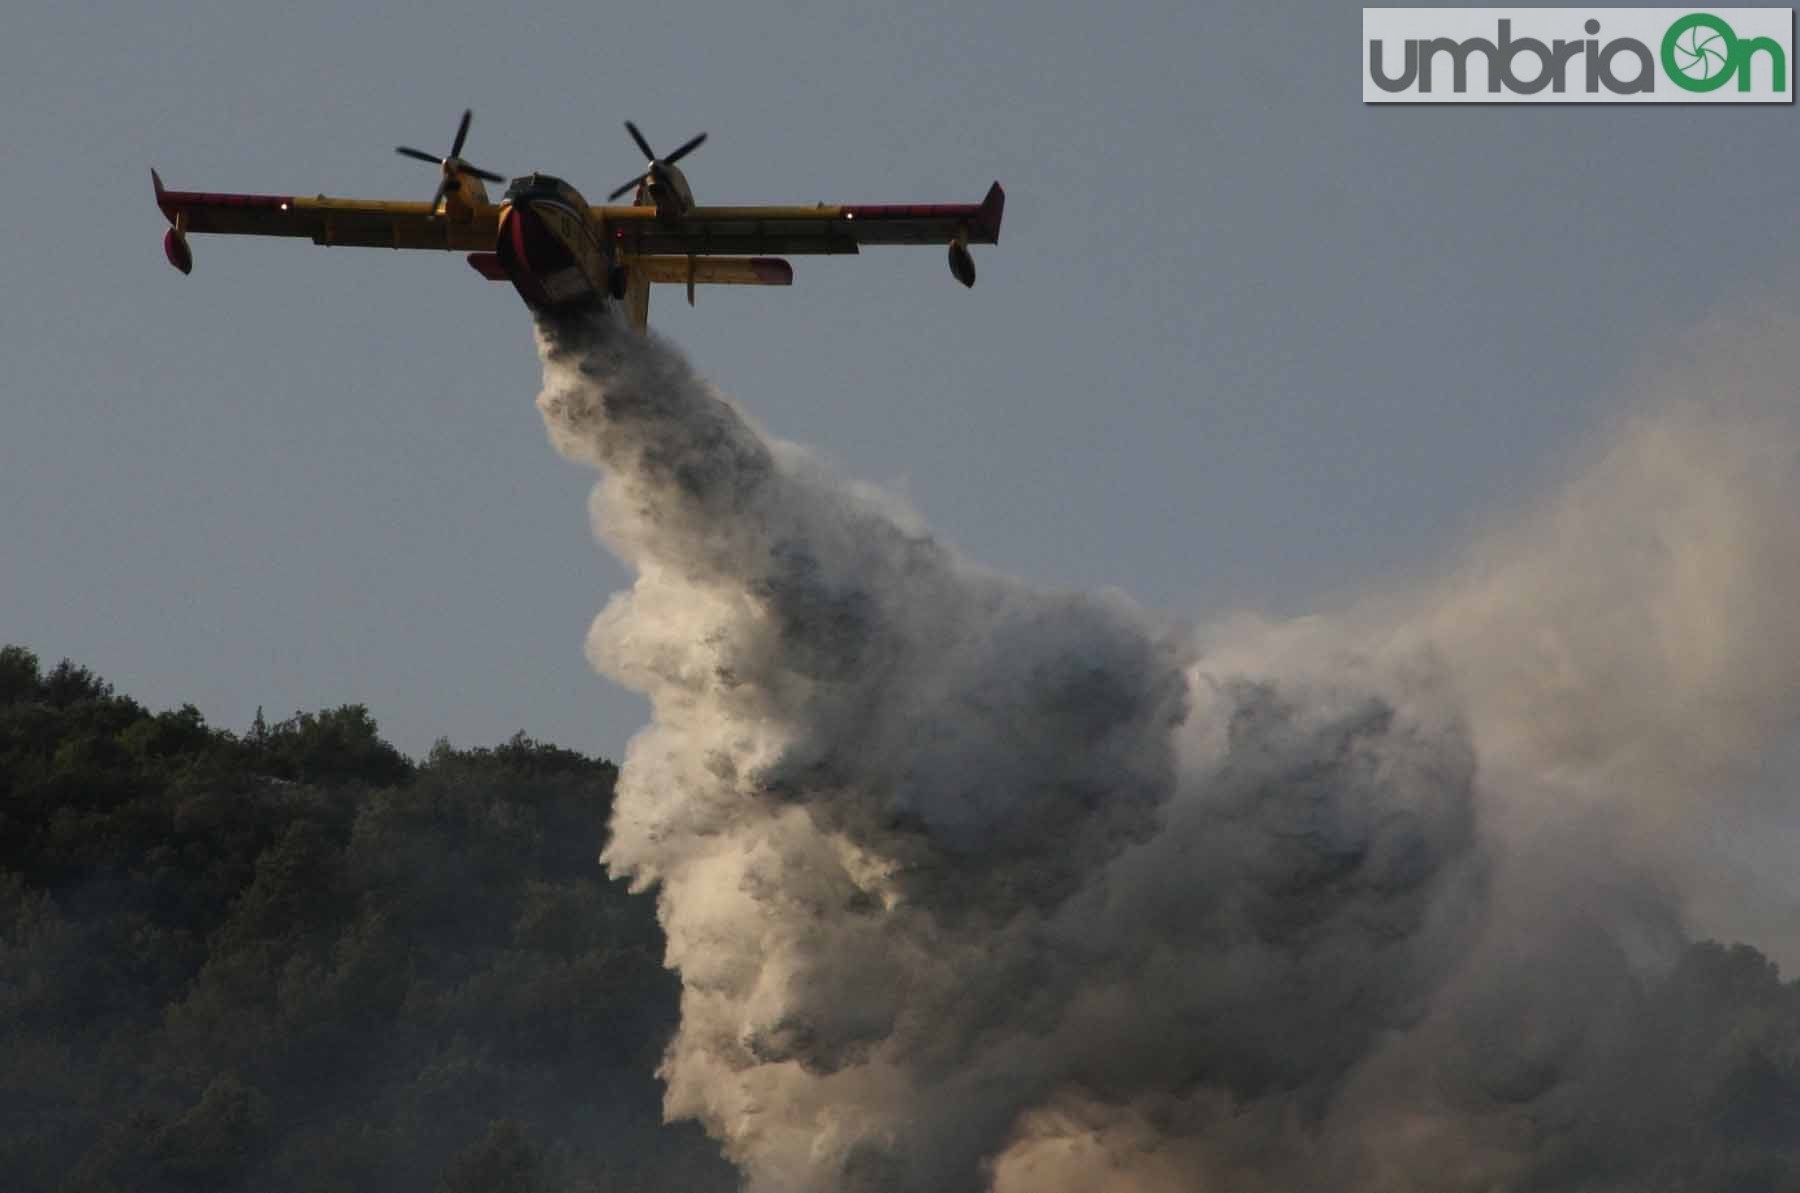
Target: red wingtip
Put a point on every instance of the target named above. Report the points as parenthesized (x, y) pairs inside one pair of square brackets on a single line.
[(992, 208), (156, 179)]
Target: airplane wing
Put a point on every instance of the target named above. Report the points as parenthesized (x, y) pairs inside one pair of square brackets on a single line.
[(703, 231), (367, 222), (796, 230)]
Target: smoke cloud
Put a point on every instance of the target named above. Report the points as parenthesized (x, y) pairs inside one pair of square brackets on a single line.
[(976, 885)]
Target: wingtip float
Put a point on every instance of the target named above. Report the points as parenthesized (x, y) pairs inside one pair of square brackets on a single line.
[(175, 245), (560, 252)]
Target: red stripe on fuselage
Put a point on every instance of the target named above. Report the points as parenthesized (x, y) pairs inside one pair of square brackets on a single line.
[(541, 266), (512, 246)]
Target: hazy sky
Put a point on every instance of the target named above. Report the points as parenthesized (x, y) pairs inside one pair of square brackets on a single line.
[(1245, 342)]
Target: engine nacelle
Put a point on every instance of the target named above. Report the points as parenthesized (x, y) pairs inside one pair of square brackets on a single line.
[(962, 265), (175, 248)]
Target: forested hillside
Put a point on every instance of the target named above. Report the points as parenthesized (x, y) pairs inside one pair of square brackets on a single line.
[(295, 960)]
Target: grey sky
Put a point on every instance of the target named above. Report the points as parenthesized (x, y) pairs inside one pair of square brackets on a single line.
[(1244, 343)]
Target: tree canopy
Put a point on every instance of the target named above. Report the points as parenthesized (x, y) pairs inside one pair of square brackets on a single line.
[(297, 960)]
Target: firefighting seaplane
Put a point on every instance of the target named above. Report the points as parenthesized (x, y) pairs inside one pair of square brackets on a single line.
[(559, 252)]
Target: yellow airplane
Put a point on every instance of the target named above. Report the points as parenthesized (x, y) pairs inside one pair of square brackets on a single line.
[(559, 252)]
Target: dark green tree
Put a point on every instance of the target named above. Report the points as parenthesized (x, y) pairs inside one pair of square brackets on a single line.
[(300, 962)]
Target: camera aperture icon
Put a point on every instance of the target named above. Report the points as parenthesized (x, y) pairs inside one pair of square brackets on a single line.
[(1702, 53)]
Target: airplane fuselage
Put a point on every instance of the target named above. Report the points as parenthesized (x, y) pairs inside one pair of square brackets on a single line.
[(551, 247)]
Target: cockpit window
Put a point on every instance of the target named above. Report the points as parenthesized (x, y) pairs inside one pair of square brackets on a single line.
[(539, 184)]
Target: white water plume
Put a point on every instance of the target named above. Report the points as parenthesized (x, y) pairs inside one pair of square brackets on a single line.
[(973, 884)]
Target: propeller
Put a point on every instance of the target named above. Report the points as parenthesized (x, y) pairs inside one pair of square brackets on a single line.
[(452, 164), (655, 167)]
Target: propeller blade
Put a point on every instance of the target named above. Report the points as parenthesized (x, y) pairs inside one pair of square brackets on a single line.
[(438, 195), (639, 138), (487, 175), (684, 150), (632, 185), (462, 133), (409, 151)]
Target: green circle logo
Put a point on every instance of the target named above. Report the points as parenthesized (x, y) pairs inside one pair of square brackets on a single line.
[(1699, 52)]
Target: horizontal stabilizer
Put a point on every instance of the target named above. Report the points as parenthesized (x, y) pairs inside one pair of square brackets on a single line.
[(488, 266), (715, 271)]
